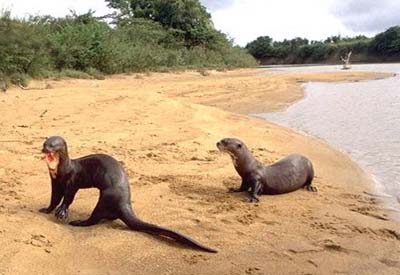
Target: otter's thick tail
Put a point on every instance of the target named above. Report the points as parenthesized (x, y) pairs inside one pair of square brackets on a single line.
[(134, 223)]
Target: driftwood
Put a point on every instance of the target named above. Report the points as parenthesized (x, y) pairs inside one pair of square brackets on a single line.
[(346, 61)]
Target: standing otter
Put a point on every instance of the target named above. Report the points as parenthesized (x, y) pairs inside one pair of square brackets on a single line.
[(286, 175), (102, 172)]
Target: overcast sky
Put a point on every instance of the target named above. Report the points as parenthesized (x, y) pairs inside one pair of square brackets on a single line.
[(245, 20)]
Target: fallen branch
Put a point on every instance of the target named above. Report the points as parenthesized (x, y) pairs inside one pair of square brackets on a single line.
[(346, 61)]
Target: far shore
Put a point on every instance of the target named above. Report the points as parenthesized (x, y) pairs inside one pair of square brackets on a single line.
[(321, 64), (163, 127)]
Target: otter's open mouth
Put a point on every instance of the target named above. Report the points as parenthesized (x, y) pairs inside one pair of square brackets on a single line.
[(52, 159), (220, 147)]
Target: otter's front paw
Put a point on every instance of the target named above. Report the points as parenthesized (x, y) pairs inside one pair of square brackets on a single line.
[(252, 199), (62, 213)]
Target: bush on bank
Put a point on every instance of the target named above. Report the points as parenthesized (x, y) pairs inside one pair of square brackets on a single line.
[(384, 47), (86, 46)]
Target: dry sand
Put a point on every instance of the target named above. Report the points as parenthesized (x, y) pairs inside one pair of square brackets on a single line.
[(162, 130)]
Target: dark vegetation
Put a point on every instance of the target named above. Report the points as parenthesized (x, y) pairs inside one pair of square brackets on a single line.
[(153, 35), (384, 47)]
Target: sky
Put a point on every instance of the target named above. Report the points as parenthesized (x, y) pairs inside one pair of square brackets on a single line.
[(245, 20)]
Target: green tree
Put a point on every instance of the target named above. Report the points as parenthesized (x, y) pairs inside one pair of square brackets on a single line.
[(261, 47), (187, 17), (79, 42), (333, 39), (387, 42), (86, 46), (298, 42), (22, 48)]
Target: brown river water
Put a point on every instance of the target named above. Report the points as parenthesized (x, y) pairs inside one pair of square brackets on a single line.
[(360, 118)]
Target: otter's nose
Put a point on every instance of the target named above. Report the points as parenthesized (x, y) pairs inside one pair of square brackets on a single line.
[(218, 143)]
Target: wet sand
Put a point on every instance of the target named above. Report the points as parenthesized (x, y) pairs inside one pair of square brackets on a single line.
[(164, 128)]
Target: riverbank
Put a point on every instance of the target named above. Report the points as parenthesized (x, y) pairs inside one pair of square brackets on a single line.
[(159, 126), (360, 118)]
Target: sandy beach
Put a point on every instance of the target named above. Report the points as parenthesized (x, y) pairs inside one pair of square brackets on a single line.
[(164, 127)]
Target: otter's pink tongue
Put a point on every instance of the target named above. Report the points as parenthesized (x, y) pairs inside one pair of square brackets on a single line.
[(52, 160), (50, 157)]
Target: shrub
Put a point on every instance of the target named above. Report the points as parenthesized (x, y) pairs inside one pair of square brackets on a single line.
[(83, 46)]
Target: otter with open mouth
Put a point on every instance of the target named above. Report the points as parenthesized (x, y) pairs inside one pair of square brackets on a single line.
[(286, 175), (105, 173)]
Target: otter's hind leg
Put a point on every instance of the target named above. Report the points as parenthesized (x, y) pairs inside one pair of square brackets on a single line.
[(309, 186), (96, 216), (101, 211)]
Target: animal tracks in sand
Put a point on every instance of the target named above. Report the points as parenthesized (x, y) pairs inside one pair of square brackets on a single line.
[(192, 187), (11, 193), (390, 263), (339, 227), (371, 211), (38, 241), (166, 153), (194, 259), (366, 204), (148, 180), (220, 204), (253, 271)]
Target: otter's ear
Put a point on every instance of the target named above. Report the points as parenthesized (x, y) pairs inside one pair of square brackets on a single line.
[(239, 145)]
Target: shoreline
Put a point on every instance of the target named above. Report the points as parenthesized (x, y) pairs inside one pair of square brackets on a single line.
[(389, 200), (164, 128), (372, 182)]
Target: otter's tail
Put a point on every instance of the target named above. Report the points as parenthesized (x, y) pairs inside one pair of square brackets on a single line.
[(134, 223)]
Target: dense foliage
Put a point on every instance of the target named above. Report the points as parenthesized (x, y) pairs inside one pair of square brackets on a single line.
[(185, 17), (86, 46), (382, 48), (387, 42)]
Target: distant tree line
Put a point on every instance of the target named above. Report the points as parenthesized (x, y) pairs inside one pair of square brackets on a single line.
[(384, 47), (147, 35)]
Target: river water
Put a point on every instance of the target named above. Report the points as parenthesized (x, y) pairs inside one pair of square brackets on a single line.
[(360, 118)]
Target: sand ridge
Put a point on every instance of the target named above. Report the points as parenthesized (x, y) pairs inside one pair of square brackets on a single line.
[(163, 127)]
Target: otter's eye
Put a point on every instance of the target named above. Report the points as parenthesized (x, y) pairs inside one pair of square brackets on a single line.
[(239, 145)]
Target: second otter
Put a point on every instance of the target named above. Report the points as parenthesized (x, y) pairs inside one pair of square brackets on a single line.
[(288, 174)]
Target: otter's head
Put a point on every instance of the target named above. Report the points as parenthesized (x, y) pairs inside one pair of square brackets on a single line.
[(233, 146), (54, 150)]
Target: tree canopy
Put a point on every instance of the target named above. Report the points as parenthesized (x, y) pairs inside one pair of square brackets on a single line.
[(384, 46), (86, 46), (261, 47), (388, 41), (187, 17)]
